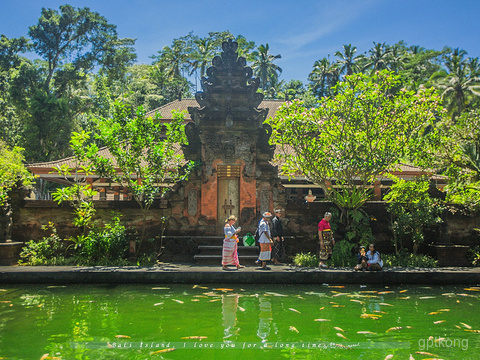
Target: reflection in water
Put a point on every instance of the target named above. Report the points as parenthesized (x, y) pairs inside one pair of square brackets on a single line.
[(229, 315), (265, 318)]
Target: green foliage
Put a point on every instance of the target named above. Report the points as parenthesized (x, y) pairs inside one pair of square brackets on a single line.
[(144, 152), (412, 210), (104, 246), (12, 171), (343, 254), (306, 260), (44, 251), (406, 259), (354, 136), (473, 255)]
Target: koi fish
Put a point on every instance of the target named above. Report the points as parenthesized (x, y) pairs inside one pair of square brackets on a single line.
[(178, 301), (322, 320), (323, 307), (388, 357), (466, 325), (426, 297), (338, 306), (331, 302), (411, 357), (370, 316), (439, 322), (439, 339), (358, 301), (293, 328), (342, 336), (275, 294), (294, 310), (475, 331), (458, 327), (379, 312), (162, 351), (222, 289), (337, 286), (444, 310), (339, 329), (194, 300), (160, 288), (402, 291), (5, 302), (200, 287), (195, 337), (213, 300), (160, 303), (472, 289), (385, 292), (368, 291), (339, 294), (123, 336), (200, 296), (343, 346), (398, 328), (434, 313), (366, 332), (385, 304), (425, 353), (404, 298), (241, 308)]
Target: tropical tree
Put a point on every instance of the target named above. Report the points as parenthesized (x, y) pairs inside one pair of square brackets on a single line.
[(347, 60), (12, 171), (354, 136), (264, 67), (459, 85), (324, 76), (378, 57), (144, 153)]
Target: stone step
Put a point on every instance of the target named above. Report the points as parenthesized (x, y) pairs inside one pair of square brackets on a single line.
[(201, 259)]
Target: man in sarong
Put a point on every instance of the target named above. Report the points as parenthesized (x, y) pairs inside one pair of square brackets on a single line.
[(327, 242), (277, 234)]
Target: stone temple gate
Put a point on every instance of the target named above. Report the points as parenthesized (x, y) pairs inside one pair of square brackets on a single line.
[(230, 142)]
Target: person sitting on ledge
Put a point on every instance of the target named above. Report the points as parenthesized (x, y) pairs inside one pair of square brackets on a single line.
[(361, 258), (372, 262)]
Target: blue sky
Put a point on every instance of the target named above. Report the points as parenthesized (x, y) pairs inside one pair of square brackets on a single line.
[(302, 31)]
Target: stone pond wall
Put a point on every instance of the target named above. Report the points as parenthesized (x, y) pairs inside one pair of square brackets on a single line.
[(182, 237)]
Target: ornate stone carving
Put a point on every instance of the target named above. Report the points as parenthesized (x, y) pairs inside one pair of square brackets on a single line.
[(192, 202)]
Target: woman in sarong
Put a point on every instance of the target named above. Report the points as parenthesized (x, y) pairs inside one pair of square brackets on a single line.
[(327, 242), (265, 241), (229, 251)]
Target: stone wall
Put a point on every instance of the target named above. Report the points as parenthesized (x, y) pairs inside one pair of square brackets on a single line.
[(300, 224)]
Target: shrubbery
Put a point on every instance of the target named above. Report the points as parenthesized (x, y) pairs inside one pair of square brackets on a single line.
[(406, 259), (306, 260)]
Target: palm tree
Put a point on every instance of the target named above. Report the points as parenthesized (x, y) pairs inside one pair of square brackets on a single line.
[(396, 58), (264, 67), (459, 84), (323, 77), (378, 59), (176, 58), (202, 55), (347, 60)]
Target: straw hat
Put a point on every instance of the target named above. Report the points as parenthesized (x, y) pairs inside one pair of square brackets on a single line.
[(267, 214)]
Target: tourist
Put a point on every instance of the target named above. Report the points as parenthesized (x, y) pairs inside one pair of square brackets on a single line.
[(327, 242), (229, 251), (277, 235), (361, 259), (374, 261), (265, 240)]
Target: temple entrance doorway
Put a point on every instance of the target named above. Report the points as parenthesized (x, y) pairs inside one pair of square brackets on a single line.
[(228, 197)]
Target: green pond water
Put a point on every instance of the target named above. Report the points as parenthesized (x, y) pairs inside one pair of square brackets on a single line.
[(238, 322)]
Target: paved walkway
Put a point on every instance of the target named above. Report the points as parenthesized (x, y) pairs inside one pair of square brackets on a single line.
[(193, 274)]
